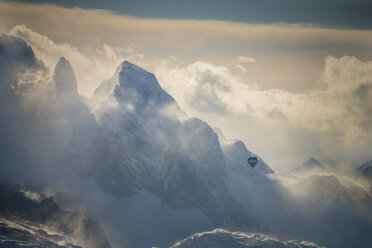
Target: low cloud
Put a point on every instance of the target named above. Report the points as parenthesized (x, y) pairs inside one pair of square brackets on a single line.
[(92, 66), (327, 122), (294, 102), (340, 105), (339, 109), (292, 207), (293, 53), (244, 59), (241, 69)]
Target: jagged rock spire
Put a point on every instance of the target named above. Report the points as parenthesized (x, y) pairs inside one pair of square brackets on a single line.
[(64, 78)]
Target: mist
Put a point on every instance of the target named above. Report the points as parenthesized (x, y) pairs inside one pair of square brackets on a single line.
[(330, 122), (133, 157)]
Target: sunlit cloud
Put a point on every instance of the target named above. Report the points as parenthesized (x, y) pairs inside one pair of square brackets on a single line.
[(241, 69), (339, 109), (250, 80), (244, 59), (341, 105), (133, 158), (294, 53), (91, 66)]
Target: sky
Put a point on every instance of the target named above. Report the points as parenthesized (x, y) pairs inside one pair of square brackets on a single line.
[(338, 13), (292, 79)]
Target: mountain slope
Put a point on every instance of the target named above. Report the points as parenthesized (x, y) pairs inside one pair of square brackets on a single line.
[(365, 170), (148, 172), (30, 219), (222, 238), (149, 142)]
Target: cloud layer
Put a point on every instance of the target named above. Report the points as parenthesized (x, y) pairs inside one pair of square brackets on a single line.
[(303, 96), (293, 54), (45, 122), (92, 65), (340, 105), (338, 111)]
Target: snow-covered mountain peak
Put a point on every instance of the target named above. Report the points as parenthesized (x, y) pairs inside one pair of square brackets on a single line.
[(311, 166), (133, 90), (16, 51), (312, 163), (223, 238), (133, 76), (150, 178), (126, 65), (139, 85)]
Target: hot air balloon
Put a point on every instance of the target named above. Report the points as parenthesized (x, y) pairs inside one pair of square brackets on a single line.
[(252, 161)]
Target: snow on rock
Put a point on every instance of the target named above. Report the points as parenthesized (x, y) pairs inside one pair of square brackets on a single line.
[(138, 160), (31, 219), (147, 143), (225, 239)]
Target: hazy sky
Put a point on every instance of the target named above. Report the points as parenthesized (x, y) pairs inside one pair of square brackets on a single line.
[(292, 79), (337, 13)]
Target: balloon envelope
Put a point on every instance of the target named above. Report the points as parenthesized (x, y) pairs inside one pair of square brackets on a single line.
[(252, 161)]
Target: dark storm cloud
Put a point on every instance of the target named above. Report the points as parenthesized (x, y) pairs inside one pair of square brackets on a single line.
[(335, 13)]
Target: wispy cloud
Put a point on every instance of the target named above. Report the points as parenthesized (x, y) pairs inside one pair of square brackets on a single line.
[(91, 66), (244, 59), (294, 53), (339, 109), (293, 102)]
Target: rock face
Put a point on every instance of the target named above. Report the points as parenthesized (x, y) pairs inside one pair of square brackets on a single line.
[(367, 173), (147, 143), (31, 219), (16, 59), (64, 79), (41, 126), (220, 238), (72, 124), (138, 139), (148, 172), (365, 170)]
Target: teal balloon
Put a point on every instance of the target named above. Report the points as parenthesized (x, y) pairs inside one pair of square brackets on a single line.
[(252, 161)]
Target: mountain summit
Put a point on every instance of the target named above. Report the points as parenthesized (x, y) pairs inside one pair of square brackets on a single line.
[(64, 78), (312, 163), (135, 87), (179, 160), (310, 166), (150, 174)]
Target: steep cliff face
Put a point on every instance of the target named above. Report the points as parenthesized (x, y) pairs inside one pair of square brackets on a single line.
[(31, 219), (17, 63), (40, 120), (148, 172), (147, 143), (138, 140)]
